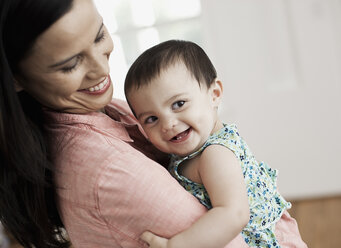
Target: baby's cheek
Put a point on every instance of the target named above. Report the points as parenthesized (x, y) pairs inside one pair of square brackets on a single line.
[(153, 138), (160, 145)]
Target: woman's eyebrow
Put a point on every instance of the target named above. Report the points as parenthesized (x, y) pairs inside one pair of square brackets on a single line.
[(72, 57)]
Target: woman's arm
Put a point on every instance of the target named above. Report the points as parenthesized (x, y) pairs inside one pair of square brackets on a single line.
[(138, 194), (222, 176)]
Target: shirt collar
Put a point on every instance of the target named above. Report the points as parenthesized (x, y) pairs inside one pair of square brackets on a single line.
[(114, 122)]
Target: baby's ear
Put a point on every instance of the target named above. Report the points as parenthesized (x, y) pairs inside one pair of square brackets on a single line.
[(216, 90)]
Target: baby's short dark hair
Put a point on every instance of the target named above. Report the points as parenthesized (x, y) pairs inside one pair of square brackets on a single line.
[(150, 63)]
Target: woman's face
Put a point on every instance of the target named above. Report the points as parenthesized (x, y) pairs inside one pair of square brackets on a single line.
[(67, 69)]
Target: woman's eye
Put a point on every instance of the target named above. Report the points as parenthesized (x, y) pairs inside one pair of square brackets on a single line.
[(100, 37), (178, 104), (150, 119), (68, 69)]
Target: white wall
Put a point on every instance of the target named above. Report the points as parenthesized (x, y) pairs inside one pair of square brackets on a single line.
[(280, 62)]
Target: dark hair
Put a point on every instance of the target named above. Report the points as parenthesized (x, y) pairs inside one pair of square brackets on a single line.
[(150, 63), (27, 194)]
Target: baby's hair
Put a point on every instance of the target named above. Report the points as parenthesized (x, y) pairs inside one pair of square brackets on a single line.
[(157, 58)]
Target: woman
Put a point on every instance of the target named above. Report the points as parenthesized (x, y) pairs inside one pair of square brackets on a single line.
[(70, 156)]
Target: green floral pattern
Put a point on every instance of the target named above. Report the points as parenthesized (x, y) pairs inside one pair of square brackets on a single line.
[(266, 204)]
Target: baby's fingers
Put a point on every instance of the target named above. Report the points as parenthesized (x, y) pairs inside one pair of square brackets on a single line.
[(153, 240), (147, 237)]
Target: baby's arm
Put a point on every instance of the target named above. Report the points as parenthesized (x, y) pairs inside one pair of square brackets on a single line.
[(222, 176)]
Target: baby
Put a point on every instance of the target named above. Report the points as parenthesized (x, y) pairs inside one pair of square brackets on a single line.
[(173, 90)]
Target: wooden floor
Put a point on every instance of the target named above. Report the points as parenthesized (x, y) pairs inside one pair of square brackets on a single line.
[(319, 221)]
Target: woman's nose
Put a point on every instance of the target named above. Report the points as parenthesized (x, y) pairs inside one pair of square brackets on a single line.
[(99, 66), (99, 60), (168, 124)]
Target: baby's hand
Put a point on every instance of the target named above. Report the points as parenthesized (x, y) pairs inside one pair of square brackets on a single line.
[(153, 240)]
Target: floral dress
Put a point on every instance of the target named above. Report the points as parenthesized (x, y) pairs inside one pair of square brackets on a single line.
[(266, 204)]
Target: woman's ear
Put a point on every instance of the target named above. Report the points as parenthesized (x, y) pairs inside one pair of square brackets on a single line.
[(216, 92), (17, 85)]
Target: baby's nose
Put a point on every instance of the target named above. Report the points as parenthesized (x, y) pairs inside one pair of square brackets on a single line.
[(169, 124)]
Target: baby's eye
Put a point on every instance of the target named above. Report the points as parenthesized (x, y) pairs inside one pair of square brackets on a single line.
[(178, 104), (150, 119)]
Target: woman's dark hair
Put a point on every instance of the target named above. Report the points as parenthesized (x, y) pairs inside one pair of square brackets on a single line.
[(28, 208), (159, 57)]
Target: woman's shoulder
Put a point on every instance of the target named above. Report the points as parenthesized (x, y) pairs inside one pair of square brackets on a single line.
[(118, 108), (119, 105)]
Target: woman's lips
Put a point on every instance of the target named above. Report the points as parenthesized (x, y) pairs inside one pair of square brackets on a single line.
[(99, 88), (181, 137)]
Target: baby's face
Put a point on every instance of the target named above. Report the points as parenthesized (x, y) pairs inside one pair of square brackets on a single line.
[(176, 113)]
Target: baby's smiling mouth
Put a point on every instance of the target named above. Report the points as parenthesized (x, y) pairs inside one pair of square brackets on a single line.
[(181, 136)]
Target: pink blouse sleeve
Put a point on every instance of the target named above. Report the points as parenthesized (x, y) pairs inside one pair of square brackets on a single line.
[(139, 195)]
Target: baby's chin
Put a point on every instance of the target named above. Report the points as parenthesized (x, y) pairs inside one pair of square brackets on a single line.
[(180, 154)]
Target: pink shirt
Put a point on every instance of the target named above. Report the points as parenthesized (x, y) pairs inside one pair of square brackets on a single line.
[(109, 192)]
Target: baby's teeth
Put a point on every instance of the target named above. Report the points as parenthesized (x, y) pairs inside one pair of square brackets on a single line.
[(101, 85), (96, 87), (91, 89)]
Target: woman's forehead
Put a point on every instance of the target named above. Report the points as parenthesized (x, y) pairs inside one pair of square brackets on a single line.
[(71, 32)]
